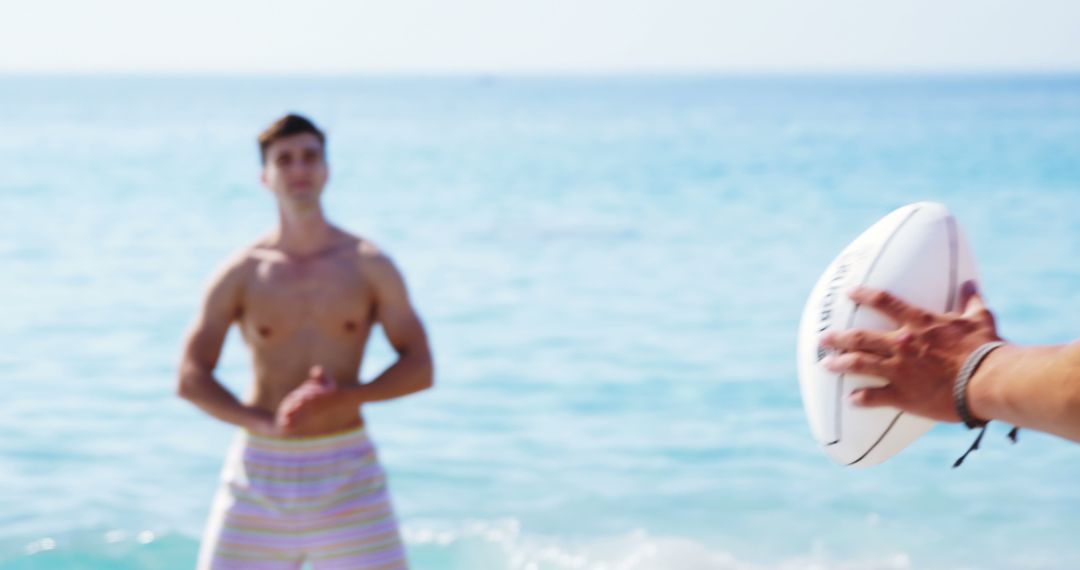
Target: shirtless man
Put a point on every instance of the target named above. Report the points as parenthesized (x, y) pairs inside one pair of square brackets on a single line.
[(302, 482)]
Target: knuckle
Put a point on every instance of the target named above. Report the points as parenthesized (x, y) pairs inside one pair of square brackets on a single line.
[(881, 298)]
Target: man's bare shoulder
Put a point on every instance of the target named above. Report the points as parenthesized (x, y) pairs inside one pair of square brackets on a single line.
[(239, 265), (373, 258), (376, 265), (223, 297)]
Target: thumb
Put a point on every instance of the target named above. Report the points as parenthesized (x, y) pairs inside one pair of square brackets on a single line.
[(320, 377), (874, 397), (971, 302), (974, 307)]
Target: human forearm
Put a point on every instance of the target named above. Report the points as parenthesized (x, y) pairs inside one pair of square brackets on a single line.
[(1031, 387), (410, 374), (199, 387)]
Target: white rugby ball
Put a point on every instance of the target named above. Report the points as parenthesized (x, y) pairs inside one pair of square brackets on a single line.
[(917, 253)]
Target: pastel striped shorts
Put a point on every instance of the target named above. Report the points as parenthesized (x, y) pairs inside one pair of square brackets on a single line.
[(286, 501)]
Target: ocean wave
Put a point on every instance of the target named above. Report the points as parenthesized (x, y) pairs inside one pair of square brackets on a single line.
[(473, 545), (503, 545)]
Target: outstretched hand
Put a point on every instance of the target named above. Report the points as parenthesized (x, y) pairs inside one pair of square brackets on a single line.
[(920, 359)]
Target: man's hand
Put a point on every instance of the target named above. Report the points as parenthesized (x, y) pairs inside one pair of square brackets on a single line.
[(318, 393), (920, 359)]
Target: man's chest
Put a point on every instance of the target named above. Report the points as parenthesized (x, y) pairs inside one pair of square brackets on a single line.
[(284, 298)]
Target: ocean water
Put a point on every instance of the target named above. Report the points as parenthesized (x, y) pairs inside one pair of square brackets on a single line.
[(611, 270)]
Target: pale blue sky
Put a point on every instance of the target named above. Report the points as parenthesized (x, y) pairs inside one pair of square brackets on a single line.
[(538, 36)]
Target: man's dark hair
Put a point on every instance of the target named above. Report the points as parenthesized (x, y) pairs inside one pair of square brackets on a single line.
[(288, 126)]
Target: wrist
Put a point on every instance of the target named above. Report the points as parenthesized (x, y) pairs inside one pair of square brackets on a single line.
[(355, 395), (258, 420), (985, 394)]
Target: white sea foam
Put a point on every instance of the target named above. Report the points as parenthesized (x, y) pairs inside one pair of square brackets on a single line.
[(502, 545)]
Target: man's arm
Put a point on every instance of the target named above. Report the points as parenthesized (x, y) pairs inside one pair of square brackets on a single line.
[(197, 384), (1031, 387), (1034, 387), (414, 370)]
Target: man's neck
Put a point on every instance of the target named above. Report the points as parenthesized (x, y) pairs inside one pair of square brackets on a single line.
[(303, 233)]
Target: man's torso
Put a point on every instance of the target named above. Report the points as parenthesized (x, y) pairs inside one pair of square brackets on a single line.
[(300, 312)]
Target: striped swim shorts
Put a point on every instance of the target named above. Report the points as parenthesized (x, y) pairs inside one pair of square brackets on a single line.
[(322, 500)]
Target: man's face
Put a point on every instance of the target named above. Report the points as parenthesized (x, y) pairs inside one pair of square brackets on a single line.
[(295, 169)]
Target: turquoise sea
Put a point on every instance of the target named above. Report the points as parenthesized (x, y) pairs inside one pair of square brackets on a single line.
[(611, 269)]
